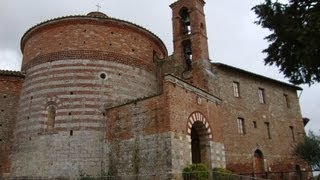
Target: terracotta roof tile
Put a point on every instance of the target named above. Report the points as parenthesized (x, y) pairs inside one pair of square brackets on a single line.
[(11, 73)]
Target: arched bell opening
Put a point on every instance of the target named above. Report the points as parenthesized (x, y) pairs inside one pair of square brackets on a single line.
[(185, 21), (187, 54)]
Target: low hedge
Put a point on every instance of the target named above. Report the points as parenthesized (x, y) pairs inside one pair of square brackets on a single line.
[(196, 172)]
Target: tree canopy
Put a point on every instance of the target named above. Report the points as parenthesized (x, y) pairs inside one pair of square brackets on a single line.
[(295, 38), (309, 150)]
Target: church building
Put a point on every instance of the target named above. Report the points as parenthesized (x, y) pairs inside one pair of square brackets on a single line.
[(99, 95)]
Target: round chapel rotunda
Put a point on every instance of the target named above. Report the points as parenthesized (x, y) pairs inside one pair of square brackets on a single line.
[(76, 67)]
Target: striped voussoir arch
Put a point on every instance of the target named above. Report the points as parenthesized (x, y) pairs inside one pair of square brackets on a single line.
[(198, 117)]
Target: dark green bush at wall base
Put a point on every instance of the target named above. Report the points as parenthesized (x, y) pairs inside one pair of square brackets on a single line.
[(196, 172)]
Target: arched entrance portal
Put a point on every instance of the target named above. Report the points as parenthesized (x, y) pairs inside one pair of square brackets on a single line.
[(200, 134), (199, 141), (258, 162)]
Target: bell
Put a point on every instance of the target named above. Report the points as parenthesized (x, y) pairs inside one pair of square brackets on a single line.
[(185, 30), (188, 64), (186, 21), (187, 50)]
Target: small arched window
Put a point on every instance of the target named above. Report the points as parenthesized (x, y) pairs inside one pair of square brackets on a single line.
[(258, 162), (185, 21), (51, 116)]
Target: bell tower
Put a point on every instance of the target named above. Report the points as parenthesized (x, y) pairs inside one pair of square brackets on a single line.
[(190, 39)]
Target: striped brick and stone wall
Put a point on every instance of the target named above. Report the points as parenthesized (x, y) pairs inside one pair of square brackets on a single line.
[(75, 68)]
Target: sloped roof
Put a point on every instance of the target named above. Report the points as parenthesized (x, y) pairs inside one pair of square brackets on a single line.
[(11, 73), (255, 75)]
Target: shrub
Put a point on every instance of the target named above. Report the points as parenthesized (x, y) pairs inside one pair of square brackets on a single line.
[(221, 173), (196, 172)]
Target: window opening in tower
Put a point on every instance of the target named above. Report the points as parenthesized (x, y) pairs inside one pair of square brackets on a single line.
[(187, 50), (185, 19)]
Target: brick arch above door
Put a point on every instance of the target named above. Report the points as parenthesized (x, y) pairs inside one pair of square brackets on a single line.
[(198, 117)]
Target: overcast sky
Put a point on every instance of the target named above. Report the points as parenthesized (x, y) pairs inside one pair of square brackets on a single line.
[(233, 37)]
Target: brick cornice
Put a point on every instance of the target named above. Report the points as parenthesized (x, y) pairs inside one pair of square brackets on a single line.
[(199, 92)]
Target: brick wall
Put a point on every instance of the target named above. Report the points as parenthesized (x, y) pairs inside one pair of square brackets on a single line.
[(185, 102), (99, 79), (76, 67), (86, 36), (10, 88), (198, 35), (277, 151), (152, 133), (139, 136)]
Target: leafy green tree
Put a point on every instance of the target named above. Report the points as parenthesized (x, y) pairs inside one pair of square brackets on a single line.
[(295, 38), (309, 150)]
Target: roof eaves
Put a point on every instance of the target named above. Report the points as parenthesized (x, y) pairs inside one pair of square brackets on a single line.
[(11, 73), (85, 16), (256, 75)]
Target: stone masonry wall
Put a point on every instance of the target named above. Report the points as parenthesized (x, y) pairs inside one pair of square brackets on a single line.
[(10, 89), (61, 154), (139, 136), (277, 150)]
